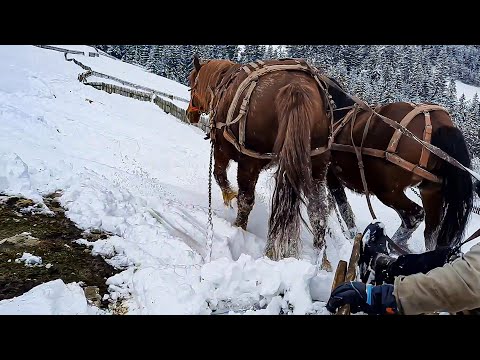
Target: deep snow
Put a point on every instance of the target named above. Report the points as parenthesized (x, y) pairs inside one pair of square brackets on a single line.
[(116, 159)]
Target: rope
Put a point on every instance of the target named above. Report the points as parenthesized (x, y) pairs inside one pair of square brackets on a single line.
[(210, 222)]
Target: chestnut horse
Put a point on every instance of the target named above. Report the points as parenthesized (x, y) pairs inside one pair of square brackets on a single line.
[(286, 117), (446, 204)]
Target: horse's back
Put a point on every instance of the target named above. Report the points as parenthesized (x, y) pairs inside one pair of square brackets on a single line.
[(262, 118)]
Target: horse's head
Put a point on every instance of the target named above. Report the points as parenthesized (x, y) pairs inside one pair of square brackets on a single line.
[(197, 104)]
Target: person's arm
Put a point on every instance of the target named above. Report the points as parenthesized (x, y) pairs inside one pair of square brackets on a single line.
[(453, 287)]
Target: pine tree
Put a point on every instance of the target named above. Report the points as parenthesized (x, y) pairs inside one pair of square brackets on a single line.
[(295, 51), (340, 73), (279, 52), (415, 76), (137, 59), (397, 86), (152, 57), (171, 54), (472, 126), (144, 54), (232, 52), (159, 63), (216, 52), (351, 56), (129, 54), (451, 97), (251, 53), (428, 89), (474, 109), (461, 110), (269, 52)]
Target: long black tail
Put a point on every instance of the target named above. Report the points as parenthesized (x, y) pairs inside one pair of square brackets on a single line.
[(457, 188)]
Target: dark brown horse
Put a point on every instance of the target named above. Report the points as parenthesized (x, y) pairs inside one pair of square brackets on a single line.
[(286, 116), (446, 204)]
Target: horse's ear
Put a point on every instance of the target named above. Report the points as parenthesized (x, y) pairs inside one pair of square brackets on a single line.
[(196, 62)]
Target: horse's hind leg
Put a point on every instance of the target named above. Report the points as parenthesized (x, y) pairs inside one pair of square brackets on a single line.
[(247, 176), (338, 192), (317, 208), (410, 213), (432, 203), (220, 173)]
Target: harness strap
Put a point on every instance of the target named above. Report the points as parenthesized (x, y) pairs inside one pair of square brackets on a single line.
[(475, 235), (427, 137), (432, 148), (358, 153), (393, 158), (253, 76), (392, 146), (347, 118), (248, 85)]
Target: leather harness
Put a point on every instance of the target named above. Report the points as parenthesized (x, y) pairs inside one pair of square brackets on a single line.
[(255, 69), (258, 68), (390, 153)]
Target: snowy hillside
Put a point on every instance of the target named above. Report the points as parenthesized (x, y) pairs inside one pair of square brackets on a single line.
[(116, 159), (468, 90)]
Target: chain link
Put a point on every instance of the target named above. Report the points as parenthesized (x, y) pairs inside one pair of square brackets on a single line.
[(210, 221)]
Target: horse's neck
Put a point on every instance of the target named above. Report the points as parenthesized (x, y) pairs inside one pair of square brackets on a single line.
[(341, 101), (220, 75), (212, 86)]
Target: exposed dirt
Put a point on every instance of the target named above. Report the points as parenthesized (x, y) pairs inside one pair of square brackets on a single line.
[(24, 229)]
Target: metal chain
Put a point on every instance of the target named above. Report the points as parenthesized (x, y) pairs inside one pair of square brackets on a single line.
[(210, 221), (415, 192)]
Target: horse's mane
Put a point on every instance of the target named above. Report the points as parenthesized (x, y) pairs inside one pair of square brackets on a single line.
[(212, 73), (340, 98)]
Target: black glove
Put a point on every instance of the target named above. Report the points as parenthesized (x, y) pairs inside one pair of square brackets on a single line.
[(367, 298), (418, 263)]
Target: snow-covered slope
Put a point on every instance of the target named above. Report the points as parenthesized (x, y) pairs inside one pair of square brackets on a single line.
[(116, 159), (132, 73), (468, 90)]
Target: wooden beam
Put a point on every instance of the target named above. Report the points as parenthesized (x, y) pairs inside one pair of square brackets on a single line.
[(352, 269)]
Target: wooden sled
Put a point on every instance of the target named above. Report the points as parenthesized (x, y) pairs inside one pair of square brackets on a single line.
[(348, 272)]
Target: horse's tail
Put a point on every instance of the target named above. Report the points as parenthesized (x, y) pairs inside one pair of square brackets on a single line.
[(457, 187), (293, 178)]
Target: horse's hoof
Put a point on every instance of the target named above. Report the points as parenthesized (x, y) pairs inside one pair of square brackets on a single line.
[(326, 265), (269, 254), (228, 196)]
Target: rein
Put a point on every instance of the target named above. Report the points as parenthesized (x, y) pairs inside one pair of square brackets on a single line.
[(475, 235)]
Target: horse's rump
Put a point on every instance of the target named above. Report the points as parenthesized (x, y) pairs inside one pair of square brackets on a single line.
[(260, 121)]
